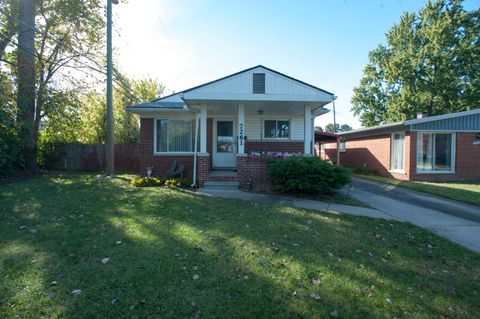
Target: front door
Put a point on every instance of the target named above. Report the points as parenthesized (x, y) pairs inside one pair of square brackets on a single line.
[(224, 151)]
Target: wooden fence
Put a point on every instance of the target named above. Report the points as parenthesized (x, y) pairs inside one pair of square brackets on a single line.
[(91, 157)]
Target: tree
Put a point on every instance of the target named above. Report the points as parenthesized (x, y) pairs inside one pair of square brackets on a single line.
[(68, 39), (430, 63), (127, 129), (345, 128), (318, 129), (26, 81), (340, 128), (330, 128)]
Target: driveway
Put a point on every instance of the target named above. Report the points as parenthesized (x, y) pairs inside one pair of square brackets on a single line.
[(454, 220)]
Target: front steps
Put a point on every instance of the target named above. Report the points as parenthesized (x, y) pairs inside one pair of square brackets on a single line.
[(222, 179)]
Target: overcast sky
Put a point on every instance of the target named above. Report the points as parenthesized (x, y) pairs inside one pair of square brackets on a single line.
[(186, 43)]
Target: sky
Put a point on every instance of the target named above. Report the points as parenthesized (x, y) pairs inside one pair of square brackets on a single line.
[(322, 42)]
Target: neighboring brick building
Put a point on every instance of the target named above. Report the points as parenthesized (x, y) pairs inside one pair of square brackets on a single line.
[(437, 148), (236, 122)]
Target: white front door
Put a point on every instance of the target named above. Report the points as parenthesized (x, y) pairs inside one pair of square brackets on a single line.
[(224, 146)]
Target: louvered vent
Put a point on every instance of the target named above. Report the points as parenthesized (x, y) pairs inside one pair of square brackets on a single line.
[(259, 83)]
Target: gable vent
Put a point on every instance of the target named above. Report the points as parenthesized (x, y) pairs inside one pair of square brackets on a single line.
[(259, 83)]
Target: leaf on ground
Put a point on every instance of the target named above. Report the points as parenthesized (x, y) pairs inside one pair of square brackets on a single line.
[(315, 296), (76, 292), (105, 260)]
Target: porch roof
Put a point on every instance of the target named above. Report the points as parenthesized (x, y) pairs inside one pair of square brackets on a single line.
[(283, 95)]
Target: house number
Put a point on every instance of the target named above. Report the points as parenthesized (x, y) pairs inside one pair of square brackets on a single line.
[(240, 134)]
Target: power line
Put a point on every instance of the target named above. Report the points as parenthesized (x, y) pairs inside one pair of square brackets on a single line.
[(80, 54)]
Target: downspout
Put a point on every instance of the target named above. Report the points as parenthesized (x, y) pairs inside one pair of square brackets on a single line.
[(195, 151)]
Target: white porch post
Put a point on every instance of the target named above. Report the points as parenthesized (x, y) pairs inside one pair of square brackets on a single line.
[(241, 129), (307, 142), (203, 129)]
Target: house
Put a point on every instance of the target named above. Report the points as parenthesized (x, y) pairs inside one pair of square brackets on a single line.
[(223, 130), (437, 148)]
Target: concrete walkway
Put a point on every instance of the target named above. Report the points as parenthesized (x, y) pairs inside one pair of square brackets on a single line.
[(463, 231), (455, 220)]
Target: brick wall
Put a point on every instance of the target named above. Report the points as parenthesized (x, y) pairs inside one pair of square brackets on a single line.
[(374, 153), (159, 163), (203, 167), (252, 173), (467, 160), (271, 146), (329, 151)]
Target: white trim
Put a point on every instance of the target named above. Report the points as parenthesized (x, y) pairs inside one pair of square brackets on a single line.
[(203, 129), (445, 131), (276, 119), (307, 130), (155, 138), (391, 152), (174, 154), (453, 153)]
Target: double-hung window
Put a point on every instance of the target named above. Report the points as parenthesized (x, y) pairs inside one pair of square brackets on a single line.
[(435, 152), (397, 152), (279, 129), (174, 135)]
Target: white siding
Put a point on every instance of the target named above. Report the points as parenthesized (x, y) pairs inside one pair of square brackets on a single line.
[(253, 127), (275, 84)]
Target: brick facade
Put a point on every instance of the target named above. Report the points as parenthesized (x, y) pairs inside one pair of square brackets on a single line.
[(374, 153), (467, 160), (252, 173), (271, 146), (160, 164)]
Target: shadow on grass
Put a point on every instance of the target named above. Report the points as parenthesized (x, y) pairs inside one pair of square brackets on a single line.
[(251, 260)]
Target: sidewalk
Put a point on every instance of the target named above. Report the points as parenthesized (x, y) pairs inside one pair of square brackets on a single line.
[(462, 231)]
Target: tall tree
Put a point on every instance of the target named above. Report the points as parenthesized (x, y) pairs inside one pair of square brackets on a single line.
[(431, 63), (68, 41), (26, 80)]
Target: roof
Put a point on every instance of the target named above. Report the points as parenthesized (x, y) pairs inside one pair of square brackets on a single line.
[(178, 100), (325, 136), (459, 121)]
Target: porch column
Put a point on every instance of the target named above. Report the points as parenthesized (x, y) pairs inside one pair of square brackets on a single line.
[(307, 141), (203, 129), (241, 129)]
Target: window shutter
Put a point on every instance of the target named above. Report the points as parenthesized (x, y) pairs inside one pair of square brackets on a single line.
[(259, 83)]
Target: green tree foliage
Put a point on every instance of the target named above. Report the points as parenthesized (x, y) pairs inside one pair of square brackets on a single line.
[(330, 128), (318, 129), (93, 117), (10, 158), (431, 63)]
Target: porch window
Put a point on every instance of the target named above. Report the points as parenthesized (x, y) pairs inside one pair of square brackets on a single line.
[(397, 148), (435, 152), (276, 129), (174, 135)]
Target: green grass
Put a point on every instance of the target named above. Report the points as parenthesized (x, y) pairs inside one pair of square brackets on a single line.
[(468, 192), (252, 260)]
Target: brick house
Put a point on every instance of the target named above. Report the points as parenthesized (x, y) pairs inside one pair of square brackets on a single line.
[(436, 148), (222, 131)]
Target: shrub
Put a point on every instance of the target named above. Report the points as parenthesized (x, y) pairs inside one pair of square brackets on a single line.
[(365, 171), (146, 182), (310, 175), (178, 182)]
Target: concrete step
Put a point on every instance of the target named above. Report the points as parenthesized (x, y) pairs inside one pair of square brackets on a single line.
[(222, 185)]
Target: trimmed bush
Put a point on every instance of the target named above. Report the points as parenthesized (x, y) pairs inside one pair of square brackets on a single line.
[(309, 175), (178, 182), (146, 182)]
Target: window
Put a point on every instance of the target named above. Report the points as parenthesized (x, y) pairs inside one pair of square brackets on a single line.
[(259, 83), (435, 152), (277, 129), (174, 135), (397, 155)]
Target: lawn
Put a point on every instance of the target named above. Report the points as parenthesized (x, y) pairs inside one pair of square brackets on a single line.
[(468, 192), (174, 254)]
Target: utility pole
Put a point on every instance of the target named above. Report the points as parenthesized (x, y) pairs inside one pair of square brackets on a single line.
[(110, 138), (26, 81), (334, 116)]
